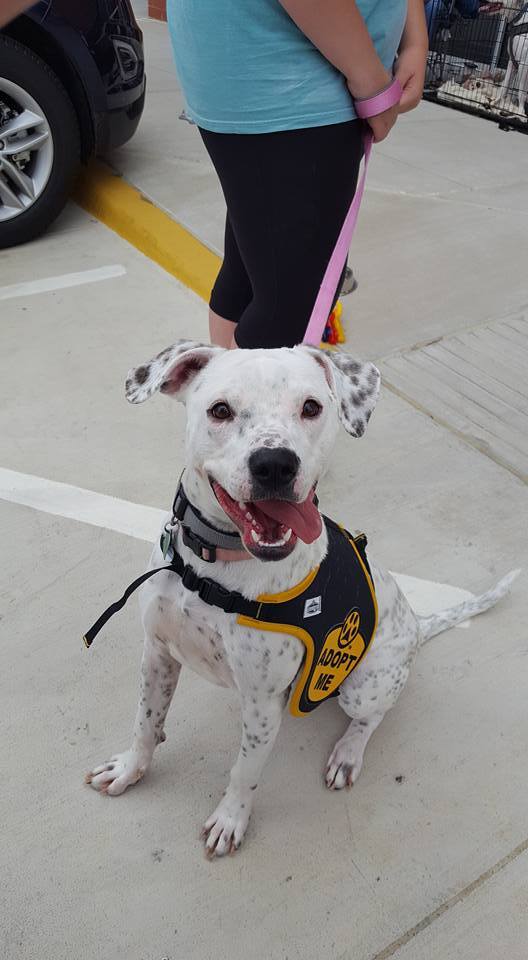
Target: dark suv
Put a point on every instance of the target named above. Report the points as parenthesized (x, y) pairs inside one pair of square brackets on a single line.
[(72, 84)]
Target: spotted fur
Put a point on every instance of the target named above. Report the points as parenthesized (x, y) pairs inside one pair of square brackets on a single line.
[(146, 379), (266, 391), (354, 384)]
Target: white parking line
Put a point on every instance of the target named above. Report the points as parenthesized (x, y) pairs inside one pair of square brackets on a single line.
[(86, 506), (30, 287), (144, 523)]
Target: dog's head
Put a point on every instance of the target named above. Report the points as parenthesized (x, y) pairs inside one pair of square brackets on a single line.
[(260, 428)]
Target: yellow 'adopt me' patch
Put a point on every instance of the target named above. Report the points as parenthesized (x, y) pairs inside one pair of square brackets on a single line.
[(343, 648), (334, 614)]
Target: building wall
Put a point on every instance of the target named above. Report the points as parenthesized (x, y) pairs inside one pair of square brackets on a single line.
[(157, 9)]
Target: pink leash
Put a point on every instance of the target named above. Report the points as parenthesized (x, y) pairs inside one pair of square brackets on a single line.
[(325, 297)]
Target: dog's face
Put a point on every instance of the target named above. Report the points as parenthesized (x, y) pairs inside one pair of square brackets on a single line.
[(260, 428)]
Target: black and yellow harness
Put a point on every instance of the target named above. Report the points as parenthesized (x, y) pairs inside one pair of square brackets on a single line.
[(333, 612)]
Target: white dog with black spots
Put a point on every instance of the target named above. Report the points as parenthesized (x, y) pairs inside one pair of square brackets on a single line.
[(246, 408)]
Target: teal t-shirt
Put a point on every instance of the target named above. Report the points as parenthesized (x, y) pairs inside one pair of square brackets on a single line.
[(245, 67)]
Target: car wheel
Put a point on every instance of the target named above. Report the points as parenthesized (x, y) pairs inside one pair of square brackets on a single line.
[(39, 144)]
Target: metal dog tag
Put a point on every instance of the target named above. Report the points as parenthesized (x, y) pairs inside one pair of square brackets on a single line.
[(165, 542)]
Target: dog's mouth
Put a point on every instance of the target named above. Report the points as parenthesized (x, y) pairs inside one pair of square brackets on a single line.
[(270, 528)]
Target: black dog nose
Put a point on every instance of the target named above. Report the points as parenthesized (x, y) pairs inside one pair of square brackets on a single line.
[(273, 468)]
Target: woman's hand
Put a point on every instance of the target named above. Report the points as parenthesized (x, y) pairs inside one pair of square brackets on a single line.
[(369, 86), (338, 30), (412, 56), (410, 71), (382, 124)]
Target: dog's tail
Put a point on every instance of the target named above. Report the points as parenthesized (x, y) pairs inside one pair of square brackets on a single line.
[(438, 622)]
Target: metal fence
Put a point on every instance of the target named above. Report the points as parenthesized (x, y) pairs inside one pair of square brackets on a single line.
[(478, 58)]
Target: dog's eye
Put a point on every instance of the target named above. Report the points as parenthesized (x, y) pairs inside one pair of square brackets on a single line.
[(221, 411), (311, 409)]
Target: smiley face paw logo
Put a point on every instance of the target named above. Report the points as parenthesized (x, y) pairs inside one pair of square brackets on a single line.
[(349, 629)]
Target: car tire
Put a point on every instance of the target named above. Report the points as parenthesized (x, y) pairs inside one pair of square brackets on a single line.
[(35, 185)]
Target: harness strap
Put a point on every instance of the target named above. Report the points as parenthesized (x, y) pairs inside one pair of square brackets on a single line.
[(211, 592), (91, 634), (230, 601)]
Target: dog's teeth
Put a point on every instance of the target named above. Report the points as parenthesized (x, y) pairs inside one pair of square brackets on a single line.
[(266, 543), (276, 543), (249, 516), (241, 504)]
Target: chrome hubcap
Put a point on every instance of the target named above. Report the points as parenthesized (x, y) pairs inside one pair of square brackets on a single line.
[(26, 150)]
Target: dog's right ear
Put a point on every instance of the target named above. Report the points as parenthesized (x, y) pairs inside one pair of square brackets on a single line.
[(171, 371)]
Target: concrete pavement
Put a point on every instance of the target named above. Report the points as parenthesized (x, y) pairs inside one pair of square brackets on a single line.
[(426, 859)]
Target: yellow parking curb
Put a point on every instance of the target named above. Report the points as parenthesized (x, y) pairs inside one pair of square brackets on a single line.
[(123, 208)]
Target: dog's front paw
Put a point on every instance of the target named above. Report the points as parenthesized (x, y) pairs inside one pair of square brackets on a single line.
[(224, 831), (114, 776), (344, 765)]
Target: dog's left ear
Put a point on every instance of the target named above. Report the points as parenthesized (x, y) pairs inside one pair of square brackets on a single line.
[(354, 384), (171, 371)]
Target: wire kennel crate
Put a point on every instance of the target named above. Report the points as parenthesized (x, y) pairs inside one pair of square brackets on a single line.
[(478, 59)]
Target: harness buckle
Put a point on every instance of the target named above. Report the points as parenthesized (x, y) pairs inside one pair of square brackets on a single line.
[(208, 590), (200, 548), (212, 593)]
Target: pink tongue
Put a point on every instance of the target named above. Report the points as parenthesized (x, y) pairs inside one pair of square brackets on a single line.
[(303, 518)]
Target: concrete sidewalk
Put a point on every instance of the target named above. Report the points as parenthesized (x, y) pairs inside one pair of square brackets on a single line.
[(427, 857)]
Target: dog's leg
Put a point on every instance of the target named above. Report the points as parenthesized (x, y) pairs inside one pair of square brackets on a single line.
[(375, 685), (346, 759), (224, 830), (159, 676)]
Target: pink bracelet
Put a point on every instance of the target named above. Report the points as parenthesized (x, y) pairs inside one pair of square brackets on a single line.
[(372, 106)]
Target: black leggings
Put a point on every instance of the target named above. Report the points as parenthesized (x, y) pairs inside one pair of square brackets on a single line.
[(287, 195)]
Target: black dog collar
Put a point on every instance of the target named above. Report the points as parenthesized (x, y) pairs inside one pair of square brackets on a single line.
[(197, 533)]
